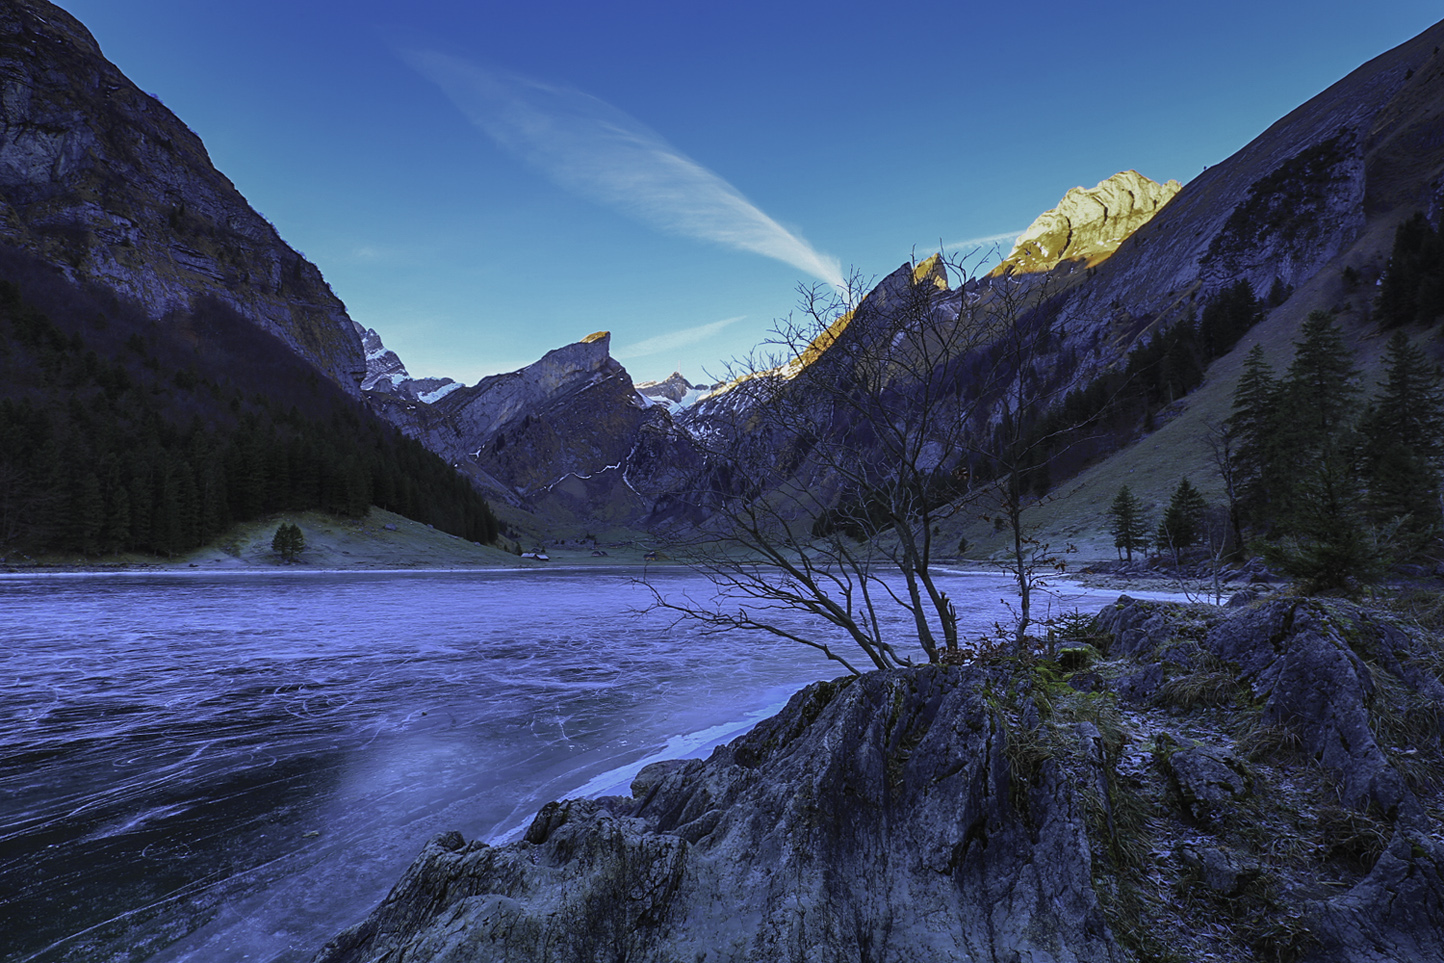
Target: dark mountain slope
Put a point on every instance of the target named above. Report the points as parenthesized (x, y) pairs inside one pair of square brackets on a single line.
[(119, 433), (1366, 152), (101, 180)]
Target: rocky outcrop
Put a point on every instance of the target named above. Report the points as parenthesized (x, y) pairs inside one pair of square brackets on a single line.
[(567, 436), (1312, 702), (675, 391), (1088, 225), (384, 370), (873, 819), (386, 374), (1001, 812), (102, 181)]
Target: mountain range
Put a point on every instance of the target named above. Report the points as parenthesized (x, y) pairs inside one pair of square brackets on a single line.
[(110, 192)]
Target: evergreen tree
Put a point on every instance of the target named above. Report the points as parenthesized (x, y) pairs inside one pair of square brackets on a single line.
[(1126, 523), (1181, 369), (1228, 316), (84, 514), (1182, 522), (1252, 429), (116, 534), (288, 542), (1320, 405), (1279, 292), (1403, 443), (1412, 288), (1324, 543)]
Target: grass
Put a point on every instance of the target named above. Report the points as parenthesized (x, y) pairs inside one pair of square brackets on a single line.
[(1152, 465)]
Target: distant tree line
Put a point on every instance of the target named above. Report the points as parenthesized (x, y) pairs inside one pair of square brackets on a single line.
[(143, 447), (1105, 414)]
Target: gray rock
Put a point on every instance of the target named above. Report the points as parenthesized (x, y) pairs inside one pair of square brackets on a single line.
[(1394, 915), (1243, 598), (1208, 782), (654, 775), (1136, 627), (1139, 687), (1221, 871), (1298, 657), (873, 819)]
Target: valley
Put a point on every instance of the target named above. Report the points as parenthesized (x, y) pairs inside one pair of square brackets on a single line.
[(819, 655)]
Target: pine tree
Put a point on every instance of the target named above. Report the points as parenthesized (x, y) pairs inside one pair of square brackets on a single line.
[(1252, 429), (1413, 270), (1126, 523), (1182, 522), (84, 516), (1320, 403), (1403, 442), (288, 542), (1228, 316), (1324, 543)]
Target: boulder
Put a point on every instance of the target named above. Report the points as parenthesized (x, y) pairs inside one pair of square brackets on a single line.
[(1221, 871), (1299, 657), (872, 819), (1208, 782), (1135, 627)]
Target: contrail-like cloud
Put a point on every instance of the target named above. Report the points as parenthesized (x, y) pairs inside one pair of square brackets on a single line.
[(1010, 237), (601, 153), (673, 339)]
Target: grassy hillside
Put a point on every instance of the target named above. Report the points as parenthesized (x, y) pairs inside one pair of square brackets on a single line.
[(1179, 447)]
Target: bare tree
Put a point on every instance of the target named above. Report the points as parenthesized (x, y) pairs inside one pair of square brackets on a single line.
[(843, 445), (1223, 447)]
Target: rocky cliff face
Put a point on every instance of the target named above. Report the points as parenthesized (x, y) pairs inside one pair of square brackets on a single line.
[(385, 373), (101, 180), (675, 391), (568, 436), (1321, 186), (1181, 785), (1088, 225)]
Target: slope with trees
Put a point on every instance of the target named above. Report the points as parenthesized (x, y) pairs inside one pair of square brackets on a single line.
[(117, 434), (1334, 488)]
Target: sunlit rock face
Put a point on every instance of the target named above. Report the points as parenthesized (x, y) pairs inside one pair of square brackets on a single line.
[(102, 181), (1088, 225)]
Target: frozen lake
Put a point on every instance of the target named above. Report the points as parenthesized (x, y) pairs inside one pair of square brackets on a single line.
[(235, 767)]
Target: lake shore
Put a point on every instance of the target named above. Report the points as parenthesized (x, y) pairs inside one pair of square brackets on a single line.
[(383, 541), (380, 541)]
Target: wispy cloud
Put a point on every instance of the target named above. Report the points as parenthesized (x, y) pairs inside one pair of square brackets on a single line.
[(673, 340), (1007, 237), (601, 153)]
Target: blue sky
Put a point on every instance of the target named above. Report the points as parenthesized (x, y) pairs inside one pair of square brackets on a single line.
[(482, 182)]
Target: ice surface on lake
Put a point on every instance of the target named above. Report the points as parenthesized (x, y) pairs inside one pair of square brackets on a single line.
[(235, 767)]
